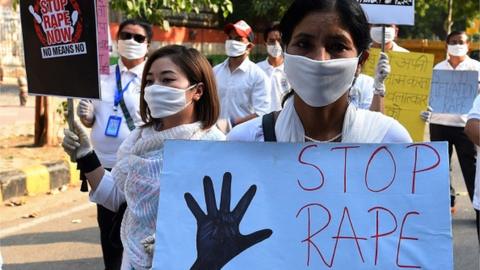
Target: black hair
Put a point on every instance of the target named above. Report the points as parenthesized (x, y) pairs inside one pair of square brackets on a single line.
[(145, 25), (456, 33), (272, 28), (349, 11)]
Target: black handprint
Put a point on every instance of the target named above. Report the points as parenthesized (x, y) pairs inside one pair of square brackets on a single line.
[(218, 235)]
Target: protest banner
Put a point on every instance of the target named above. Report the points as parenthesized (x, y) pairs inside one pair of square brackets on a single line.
[(234, 205), (407, 88), (453, 91), (103, 37), (389, 11), (60, 44)]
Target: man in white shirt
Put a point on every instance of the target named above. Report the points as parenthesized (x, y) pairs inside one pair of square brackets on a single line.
[(244, 89), (273, 66), (391, 33), (113, 118), (450, 127), (472, 129)]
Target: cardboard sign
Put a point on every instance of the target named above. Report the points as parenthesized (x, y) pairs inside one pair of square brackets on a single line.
[(60, 43), (389, 11), (103, 37), (408, 87), (453, 91), (263, 206)]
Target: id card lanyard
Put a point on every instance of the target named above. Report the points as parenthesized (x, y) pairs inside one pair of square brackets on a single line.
[(120, 91), (115, 121)]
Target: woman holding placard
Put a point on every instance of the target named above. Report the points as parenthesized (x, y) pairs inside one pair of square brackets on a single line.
[(178, 100), (326, 42)]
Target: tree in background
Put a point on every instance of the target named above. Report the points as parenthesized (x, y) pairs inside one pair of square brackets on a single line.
[(155, 11), (431, 18)]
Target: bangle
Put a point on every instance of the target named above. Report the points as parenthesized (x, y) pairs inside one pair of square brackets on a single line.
[(88, 163)]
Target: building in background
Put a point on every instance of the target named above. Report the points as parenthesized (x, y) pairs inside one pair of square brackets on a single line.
[(11, 47)]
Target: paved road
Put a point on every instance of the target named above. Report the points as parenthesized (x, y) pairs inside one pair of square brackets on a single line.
[(63, 236), (53, 241)]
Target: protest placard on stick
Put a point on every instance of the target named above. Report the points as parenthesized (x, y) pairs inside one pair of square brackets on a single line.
[(407, 88), (60, 44), (401, 12)]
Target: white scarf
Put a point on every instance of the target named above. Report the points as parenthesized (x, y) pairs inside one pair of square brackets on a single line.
[(359, 126), (137, 174)]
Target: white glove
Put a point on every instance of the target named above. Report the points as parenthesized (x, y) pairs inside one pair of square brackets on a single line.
[(426, 115), (381, 73), (76, 143), (85, 110), (149, 244)]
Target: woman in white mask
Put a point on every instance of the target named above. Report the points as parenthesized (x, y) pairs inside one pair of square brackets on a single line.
[(178, 100), (113, 118), (326, 42)]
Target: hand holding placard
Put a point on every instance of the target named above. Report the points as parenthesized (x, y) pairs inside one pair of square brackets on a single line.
[(218, 236)]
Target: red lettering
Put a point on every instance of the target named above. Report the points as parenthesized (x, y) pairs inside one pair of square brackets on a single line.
[(59, 5), (415, 171), (61, 19), (344, 164), (51, 37), (394, 169), (322, 178), (345, 212), (54, 21), (405, 238), (46, 22), (377, 235), (309, 239), (44, 7), (66, 34)]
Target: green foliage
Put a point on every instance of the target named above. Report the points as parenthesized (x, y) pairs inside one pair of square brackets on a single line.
[(62, 111), (274, 9), (431, 18), (154, 10), (430, 15)]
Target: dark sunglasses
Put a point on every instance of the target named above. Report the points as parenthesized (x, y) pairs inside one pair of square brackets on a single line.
[(137, 37)]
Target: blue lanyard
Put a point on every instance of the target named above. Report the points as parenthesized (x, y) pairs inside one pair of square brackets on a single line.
[(120, 91)]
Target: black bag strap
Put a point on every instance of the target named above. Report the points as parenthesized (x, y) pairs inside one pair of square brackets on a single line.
[(268, 126), (130, 124)]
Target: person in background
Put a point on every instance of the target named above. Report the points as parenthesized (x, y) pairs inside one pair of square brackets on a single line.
[(450, 127), (113, 118), (326, 43), (273, 66), (23, 89), (368, 93), (244, 89), (178, 100), (472, 129), (391, 33)]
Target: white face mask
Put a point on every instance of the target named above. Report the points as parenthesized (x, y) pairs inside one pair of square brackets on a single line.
[(320, 83), (165, 101), (131, 49), (274, 50), (376, 34), (234, 48), (457, 50)]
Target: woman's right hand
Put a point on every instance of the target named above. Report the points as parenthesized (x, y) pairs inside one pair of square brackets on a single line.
[(76, 143)]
